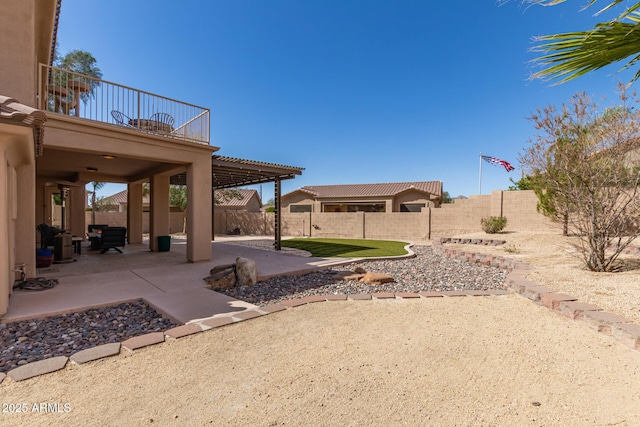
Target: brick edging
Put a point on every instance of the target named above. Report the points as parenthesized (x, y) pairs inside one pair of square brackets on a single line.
[(621, 328)]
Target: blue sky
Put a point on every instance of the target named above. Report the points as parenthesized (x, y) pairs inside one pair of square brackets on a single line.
[(354, 91)]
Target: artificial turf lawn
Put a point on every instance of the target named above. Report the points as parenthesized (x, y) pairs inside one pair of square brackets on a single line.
[(347, 248)]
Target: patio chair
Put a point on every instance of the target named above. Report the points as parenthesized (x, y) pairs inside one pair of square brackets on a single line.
[(121, 118), (47, 234), (162, 122), (93, 238), (113, 238)]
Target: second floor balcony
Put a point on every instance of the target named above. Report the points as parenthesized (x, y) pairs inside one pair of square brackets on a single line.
[(65, 92)]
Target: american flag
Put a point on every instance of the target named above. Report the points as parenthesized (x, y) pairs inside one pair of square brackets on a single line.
[(498, 162)]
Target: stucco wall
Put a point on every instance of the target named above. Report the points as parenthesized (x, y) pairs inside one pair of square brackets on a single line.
[(119, 219)]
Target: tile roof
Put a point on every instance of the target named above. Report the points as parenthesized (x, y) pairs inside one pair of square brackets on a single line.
[(234, 202), (121, 197), (12, 110), (372, 190)]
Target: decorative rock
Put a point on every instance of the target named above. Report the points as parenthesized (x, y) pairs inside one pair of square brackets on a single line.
[(217, 268), (246, 271), (222, 279), (376, 278), (359, 270)]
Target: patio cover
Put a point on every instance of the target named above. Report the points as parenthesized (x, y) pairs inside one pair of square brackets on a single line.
[(230, 172)]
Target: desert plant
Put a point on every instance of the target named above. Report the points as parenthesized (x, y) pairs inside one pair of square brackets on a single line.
[(512, 249), (587, 174), (493, 224)]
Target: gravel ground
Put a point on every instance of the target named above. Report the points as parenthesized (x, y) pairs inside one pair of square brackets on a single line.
[(31, 340), (426, 272), (38, 339)]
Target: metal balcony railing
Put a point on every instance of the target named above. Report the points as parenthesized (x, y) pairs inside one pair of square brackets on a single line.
[(65, 92)]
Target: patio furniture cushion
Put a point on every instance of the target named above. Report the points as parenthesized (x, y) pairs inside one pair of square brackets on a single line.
[(46, 235)]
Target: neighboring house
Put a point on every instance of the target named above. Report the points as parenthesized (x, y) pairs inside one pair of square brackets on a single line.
[(388, 197), (248, 201), (97, 130)]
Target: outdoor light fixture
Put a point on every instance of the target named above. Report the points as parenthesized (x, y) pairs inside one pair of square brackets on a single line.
[(92, 169), (108, 156)]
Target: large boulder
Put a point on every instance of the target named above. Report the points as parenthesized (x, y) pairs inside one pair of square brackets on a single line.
[(246, 271), (376, 278), (222, 279), (346, 275), (217, 268)]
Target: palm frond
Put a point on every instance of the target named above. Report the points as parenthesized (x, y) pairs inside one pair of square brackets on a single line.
[(570, 55)]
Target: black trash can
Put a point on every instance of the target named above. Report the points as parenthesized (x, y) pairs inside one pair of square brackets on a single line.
[(164, 243)]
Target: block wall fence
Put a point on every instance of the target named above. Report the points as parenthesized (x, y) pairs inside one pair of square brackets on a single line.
[(462, 216)]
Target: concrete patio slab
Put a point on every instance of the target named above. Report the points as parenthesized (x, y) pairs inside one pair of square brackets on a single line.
[(165, 280), (194, 304)]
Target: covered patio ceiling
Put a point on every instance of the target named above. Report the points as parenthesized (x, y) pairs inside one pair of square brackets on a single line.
[(229, 172)]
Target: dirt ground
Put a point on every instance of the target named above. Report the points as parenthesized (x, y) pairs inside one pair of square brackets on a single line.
[(463, 361)]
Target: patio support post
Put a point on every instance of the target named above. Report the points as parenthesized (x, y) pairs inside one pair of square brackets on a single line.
[(76, 208), (278, 216), (26, 218), (6, 243), (159, 210), (134, 212), (199, 203)]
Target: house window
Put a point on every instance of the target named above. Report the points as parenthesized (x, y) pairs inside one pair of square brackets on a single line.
[(366, 207), (300, 208), (412, 207), (354, 207)]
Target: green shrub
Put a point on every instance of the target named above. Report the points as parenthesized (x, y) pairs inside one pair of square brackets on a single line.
[(493, 224)]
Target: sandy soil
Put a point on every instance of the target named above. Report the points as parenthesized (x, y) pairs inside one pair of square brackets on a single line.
[(500, 360)]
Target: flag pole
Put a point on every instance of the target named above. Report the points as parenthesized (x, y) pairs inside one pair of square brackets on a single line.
[(480, 178)]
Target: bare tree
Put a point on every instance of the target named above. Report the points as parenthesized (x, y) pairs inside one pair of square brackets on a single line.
[(586, 171)]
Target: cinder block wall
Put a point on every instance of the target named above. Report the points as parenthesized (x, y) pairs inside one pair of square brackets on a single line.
[(397, 225), (249, 223), (461, 216), (464, 215), (520, 209)]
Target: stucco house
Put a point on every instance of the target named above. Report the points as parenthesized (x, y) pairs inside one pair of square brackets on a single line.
[(248, 201), (60, 130), (383, 197)]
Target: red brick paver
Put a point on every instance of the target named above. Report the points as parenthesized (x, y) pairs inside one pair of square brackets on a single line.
[(553, 300), (383, 295), (40, 367), (183, 330), (407, 295), (218, 322), (143, 341), (95, 353)]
